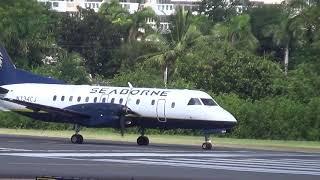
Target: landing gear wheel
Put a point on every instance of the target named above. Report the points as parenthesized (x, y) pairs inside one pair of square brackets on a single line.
[(143, 141), (206, 146), (76, 139)]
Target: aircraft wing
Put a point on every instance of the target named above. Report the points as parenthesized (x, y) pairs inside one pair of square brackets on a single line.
[(49, 109)]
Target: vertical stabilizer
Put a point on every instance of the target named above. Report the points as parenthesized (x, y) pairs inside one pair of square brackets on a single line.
[(9, 74), (5, 61), (7, 69)]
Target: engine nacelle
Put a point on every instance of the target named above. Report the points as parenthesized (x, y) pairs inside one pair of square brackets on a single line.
[(101, 114)]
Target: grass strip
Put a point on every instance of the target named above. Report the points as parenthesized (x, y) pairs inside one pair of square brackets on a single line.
[(102, 134)]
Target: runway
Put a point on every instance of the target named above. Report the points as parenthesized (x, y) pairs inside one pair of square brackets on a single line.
[(29, 157)]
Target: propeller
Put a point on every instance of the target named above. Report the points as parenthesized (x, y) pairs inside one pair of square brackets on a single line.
[(125, 111)]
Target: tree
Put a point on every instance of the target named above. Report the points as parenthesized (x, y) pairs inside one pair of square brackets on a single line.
[(286, 30), (114, 12), (182, 35), (220, 68), (94, 38), (66, 66), (139, 21), (221, 10), (26, 31), (309, 21), (237, 32), (260, 18), (130, 23)]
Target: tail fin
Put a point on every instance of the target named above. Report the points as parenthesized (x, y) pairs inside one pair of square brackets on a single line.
[(9, 74), (5, 61)]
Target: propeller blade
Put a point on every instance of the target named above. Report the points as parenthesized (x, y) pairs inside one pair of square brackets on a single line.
[(122, 125), (125, 111)]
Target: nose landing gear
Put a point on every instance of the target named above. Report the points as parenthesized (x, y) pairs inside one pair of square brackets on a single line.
[(142, 140), (207, 145), (77, 138)]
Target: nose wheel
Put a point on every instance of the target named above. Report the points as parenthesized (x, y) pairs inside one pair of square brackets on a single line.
[(77, 138), (143, 141), (207, 145)]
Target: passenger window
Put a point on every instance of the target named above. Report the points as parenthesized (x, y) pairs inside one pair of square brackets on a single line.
[(138, 101), (103, 100), (62, 98), (95, 99), (87, 99), (70, 98), (112, 100), (152, 102), (194, 101), (79, 99), (208, 102), (173, 105), (120, 101), (54, 98)]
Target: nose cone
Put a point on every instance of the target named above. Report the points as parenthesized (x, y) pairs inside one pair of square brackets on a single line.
[(219, 114), (229, 117)]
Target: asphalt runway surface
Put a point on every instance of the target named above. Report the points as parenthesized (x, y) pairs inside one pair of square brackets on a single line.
[(29, 157)]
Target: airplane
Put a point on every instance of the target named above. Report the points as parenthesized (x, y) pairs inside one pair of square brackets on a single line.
[(51, 100)]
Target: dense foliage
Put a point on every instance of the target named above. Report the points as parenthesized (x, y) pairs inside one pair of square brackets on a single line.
[(259, 62)]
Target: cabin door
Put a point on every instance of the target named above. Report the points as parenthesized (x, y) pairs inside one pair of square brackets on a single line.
[(161, 110)]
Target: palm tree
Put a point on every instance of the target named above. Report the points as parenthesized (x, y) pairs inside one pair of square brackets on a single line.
[(114, 12), (138, 21), (288, 29), (132, 23), (236, 32), (182, 35)]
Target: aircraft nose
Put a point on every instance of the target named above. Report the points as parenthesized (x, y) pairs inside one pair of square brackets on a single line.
[(218, 113), (230, 117)]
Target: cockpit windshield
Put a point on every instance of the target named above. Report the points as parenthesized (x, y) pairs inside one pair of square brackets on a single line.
[(208, 102), (194, 101)]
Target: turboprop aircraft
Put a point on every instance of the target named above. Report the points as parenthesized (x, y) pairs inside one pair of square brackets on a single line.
[(50, 100)]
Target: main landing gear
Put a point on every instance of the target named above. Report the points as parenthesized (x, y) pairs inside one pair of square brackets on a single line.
[(142, 140), (207, 145), (77, 138)]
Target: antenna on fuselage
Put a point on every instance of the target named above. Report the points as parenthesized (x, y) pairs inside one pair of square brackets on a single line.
[(131, 87)]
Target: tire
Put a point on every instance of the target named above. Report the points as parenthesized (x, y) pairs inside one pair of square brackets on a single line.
[(206, 146), (80, 139), (74, 139), (143, 141)]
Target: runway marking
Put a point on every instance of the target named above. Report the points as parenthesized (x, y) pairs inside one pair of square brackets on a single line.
[(230, 163), (221, 167), (56, 164), (264, 161), (14, 149), (245, 161), (206, 155)]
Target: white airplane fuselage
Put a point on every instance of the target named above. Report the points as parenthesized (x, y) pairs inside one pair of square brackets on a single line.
[(51, 100), (157, 105)]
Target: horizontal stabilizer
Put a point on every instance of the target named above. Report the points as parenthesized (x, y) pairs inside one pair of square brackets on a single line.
[(3, 90)]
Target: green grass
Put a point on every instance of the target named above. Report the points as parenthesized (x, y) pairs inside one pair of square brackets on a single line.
[(101, 134)]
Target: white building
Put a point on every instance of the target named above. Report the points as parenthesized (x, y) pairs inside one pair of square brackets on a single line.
[(163, 8), (268, 1)]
